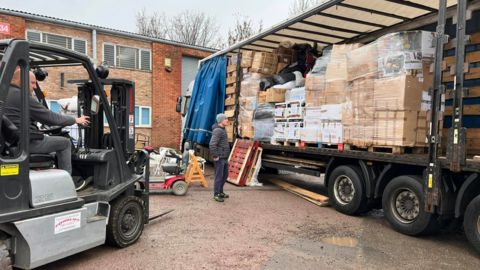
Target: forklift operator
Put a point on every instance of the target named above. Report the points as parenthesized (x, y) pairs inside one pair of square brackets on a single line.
[(38, 113)]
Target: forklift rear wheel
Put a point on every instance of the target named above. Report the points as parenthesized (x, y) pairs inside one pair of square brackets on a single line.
[(180, 188), (472, 223), (5, 260), (125, 224)]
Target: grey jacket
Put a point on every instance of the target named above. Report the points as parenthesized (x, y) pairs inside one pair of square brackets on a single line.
[(219, 145), (38, 113)]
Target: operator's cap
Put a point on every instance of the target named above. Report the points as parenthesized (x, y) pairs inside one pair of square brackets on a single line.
[(221, 117)]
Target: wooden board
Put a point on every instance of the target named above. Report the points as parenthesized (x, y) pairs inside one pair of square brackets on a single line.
[(471, 57), (310, 196), (474, 39), (467, 110), (474, 73), (291, 163), (298, 160), (255, 163), (472, 92)]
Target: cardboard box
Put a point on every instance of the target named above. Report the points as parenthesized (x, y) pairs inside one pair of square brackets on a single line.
[(336, 86), (315, 83), (292, 130), (229, 101), (406, 63), (294, 111), (427, 75), (285, 55), (230, 90), (332, 132), (231, 68), (314, 98), (247, 130), (265, 63), (247, 59), (280, 67), (312, 123), (229, 128), (402, 93), (230, 113), (232, 61), (333, 98), (422, 129), (280, 130), (313, 112), (249, 103), (280, 112), (339, 52), (420, 41), (309, 134), (276, 94), (250, 86), (336, 71), (262, 97), (362, 62), (331, 112), (362, 134), (395, 128)]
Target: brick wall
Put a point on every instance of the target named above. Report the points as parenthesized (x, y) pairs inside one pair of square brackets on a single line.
[(166, 88), (155, 88), (17, 26)]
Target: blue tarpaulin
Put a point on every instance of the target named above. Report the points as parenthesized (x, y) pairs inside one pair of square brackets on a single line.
[(208, 99)]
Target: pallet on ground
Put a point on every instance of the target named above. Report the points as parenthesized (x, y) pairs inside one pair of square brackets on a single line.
[(240, 161), (255, 163), (305, 194)]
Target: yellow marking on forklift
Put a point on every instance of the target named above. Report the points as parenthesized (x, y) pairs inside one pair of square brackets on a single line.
[(430, 181), (10, 169), (455, 136)]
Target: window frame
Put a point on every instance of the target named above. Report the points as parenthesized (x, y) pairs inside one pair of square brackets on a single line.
[(140, 107), (115, 56), (73, 39)]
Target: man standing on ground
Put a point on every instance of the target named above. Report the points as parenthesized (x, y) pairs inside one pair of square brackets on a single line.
[(220, 149)]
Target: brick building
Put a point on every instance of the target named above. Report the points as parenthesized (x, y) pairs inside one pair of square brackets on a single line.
[(130, 56)]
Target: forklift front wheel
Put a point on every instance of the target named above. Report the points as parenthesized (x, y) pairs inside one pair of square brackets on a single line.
[(180, 188), (125, 224), (5, 260)]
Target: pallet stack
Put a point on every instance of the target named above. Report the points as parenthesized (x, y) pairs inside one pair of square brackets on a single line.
[(230, 98)]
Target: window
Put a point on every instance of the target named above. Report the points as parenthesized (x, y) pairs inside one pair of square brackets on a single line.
[(143, 117), (76, 44), (53, 105), (127, 57)]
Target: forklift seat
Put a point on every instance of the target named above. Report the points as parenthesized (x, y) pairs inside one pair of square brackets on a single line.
[(41, 161)]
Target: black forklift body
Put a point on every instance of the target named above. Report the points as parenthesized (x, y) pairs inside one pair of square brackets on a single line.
[(112, 165)]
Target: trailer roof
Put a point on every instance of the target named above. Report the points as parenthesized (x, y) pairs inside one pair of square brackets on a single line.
[(347, 21)]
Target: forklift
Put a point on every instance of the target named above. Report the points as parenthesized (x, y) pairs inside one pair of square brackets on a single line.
[(42, 216)]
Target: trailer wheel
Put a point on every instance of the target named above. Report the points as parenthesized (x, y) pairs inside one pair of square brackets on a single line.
[(471, 223), (125, 224), (5, 260), (403, 207), (180, 188), (346, 190)]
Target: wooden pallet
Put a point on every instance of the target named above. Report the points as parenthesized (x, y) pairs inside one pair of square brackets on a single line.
[(313, 197), (398, 150), (335, 146), (241, 159), (309, 144), (288, 143), (255, 163)]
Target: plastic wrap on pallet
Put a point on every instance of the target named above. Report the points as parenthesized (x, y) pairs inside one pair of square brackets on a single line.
[(264, 122), (250, 86), (296, 94), (320, 66)]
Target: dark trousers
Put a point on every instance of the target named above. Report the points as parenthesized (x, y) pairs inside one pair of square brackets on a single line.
[(60, 145), (221, 175)]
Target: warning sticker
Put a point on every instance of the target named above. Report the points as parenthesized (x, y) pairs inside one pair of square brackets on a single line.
[(10, 169), (68, 222), (130, 119)]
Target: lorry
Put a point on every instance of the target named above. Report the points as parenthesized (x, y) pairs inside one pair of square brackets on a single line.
[(420, 193)]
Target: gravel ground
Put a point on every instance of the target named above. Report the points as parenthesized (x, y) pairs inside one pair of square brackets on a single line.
[(269, 228)]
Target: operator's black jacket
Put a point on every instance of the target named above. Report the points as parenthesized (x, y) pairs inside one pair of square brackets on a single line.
[(38, 112), (219, 145)]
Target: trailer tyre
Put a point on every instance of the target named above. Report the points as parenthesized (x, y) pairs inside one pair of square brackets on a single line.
[(403, 207), (5, 260), (126, 221), (346, 190), (180, 188), (471, 223)]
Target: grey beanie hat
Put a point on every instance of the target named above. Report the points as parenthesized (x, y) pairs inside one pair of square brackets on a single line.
[(221, 117)]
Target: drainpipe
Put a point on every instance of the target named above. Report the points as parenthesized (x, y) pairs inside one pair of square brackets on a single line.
[(94, 46)]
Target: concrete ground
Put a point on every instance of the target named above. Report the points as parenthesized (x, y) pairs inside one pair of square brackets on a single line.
[(269, 228)]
